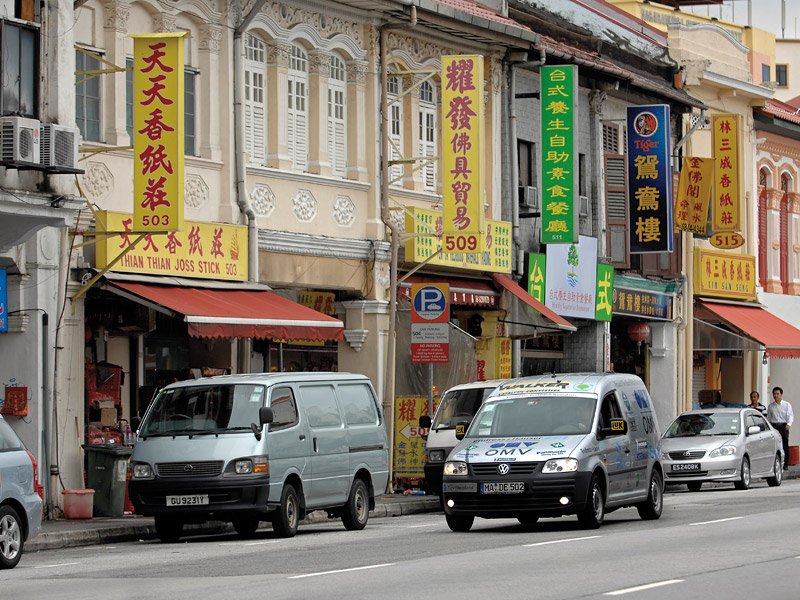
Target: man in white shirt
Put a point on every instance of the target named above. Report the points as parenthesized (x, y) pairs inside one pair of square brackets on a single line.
[(781, 417)]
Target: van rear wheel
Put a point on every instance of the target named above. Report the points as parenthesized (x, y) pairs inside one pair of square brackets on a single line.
[(287, 517), (592, 515), (356, 512), (459, 522), (168, 528)]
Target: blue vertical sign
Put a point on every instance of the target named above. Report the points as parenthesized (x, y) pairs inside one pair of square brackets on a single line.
[(649, 179), (3, 301)]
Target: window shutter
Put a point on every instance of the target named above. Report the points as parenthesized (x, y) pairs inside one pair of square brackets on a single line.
[(617, 210), (337, 131), (762, 237)]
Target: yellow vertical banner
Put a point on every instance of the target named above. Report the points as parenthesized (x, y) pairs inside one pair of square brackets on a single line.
[(462, 153), (409, 443), (158, 131), (493, 355), (725, 207), (694, 194)]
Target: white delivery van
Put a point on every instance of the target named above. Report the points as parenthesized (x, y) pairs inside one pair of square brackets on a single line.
[(558, 444), (458, 405), (253, 447)]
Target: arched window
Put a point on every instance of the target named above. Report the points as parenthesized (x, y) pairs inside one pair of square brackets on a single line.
[(763, 177), (255, 107), (427, 134), (787, 184), (297, 116), (395, 88), (337, 119)]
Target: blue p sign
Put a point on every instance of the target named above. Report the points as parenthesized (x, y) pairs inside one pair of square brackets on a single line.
[(430, 303)]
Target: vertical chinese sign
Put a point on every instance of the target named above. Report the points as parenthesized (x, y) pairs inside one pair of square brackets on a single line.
[(649, 179), (559, 173), (725, 206), (694, 194), (462, 149), (604, 297), (537, 263), (158, 132), (409, 443)]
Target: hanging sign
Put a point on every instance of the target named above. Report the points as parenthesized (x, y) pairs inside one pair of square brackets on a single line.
[(430, 322), (605, 292), (638, 303), (649, 179), (724, 275), (558, 98), (727, 240), (409, 443), (571, 278), (3, 301), (537, 265), (694, 195), (725, 205), (462, 145)]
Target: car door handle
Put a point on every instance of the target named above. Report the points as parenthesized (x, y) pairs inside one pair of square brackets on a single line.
[(302, 437), (315, 445), (626, 450)]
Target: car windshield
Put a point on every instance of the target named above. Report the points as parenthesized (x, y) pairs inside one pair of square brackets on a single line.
[(531, 416), (458, 406), (705, 424), (204, 409)]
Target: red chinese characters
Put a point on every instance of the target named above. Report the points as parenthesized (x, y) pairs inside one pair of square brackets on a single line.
[(725, 207)]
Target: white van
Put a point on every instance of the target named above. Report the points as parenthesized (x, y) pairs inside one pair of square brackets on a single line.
[(253, 447), (458, 404), (558, 444)]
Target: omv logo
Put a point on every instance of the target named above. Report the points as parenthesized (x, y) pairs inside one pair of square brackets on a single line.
[(641, 398)]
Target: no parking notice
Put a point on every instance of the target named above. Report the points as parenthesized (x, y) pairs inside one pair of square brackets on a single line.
[(430, 327)]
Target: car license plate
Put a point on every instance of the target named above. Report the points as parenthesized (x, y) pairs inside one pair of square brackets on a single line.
[(504, 487), (686, 467), (193, 500)]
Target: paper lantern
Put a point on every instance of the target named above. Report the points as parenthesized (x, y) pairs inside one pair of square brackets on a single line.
[(638, 332)]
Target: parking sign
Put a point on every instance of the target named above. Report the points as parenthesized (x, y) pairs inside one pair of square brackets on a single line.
[(430, 328)]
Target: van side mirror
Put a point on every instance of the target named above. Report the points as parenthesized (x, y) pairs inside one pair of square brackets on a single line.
[(461, 429), (265, 415), (425, 421)]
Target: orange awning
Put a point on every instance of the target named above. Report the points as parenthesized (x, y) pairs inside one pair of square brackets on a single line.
[(779, 337), (534, 313), (234, 313)]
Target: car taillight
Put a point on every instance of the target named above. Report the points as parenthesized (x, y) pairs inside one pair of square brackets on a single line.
[(35, 473)]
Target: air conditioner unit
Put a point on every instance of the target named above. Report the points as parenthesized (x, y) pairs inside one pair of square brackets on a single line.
[(583, 208), (20, 140), (60, 146), (528, 197)]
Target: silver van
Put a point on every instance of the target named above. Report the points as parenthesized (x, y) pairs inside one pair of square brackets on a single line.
[(256, 447), (558, 444)]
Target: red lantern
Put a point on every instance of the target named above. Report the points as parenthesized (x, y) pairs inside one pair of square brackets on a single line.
[(638, 332)]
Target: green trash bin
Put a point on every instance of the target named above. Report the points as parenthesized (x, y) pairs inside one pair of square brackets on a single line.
[(107, 470)]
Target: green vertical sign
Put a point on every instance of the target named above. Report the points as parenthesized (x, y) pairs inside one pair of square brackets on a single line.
[(536, 270), (559, 165), (605, 290)]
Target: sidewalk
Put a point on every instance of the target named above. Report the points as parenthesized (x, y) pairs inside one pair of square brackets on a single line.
[(65, 533)]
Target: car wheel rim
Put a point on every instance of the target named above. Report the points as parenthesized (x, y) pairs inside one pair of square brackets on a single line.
[(597, 502), (9, 538), (361, 506), (655, 493), (291, 511), (778, 470), (746, 473)]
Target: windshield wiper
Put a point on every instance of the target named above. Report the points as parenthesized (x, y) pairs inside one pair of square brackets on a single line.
[(218, 430), (173, 433)]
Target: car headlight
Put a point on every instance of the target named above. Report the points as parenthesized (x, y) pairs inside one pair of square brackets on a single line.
[(455, 467), (560, 465), (665, 456), (722, 451), (142, 471), (436, 456), (243, 467)]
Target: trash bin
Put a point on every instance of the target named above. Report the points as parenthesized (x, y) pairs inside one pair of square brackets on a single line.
[(107, 469)]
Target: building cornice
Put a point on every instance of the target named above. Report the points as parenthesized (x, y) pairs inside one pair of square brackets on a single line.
[(303, 244), (748, 89)]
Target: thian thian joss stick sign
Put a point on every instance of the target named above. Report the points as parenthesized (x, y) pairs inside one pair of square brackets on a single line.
[(649, 179), (559, 173), (158, 132), (462, 143)]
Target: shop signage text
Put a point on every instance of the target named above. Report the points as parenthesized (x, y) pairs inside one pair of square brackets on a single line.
[(537, 266), (649, 179), (571, 278), (725, 205), (727, 240), (605, 291), (639, 303), (409, 443), (724, 275), (493, 358), (694, 195)]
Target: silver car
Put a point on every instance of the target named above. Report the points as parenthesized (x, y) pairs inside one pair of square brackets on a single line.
[(20, 505), (721, 444)]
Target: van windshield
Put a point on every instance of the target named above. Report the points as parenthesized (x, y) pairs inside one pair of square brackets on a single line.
[(533, 416), (458, 406), (204, 409)]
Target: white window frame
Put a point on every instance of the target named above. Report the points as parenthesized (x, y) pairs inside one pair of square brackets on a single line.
[(82, 98), (337, 117), (297, 109), (428, 125), (394, 88), (255, 106)]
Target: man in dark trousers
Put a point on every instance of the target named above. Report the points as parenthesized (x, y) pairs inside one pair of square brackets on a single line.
[(781, 417)]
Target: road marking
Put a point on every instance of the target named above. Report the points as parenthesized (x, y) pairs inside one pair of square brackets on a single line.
[(341, 571), (56, 565), (717, 521), (243, 543), (640, 588), (425, 525), (263, 542), (588, 537)]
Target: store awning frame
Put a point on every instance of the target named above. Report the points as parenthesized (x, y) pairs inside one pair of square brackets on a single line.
[(535, 314), (779, 338), (233, 313)]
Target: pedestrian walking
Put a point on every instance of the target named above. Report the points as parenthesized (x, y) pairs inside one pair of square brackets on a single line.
[(755, 404), (781, 417)]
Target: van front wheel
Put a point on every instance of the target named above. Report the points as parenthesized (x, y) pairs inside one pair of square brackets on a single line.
[(591, 517), (287, 517), (356, 512), (459, 522), (651, 508)]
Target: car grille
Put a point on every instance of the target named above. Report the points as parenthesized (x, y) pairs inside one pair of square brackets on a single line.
[(514, 469), (690, 455), (208, 468)]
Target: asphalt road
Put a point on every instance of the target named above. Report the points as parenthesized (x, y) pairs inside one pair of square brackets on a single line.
[(717, 543)]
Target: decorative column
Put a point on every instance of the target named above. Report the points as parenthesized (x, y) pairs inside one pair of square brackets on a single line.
[(356, 121), (212, 82), (164, 23), (773, 282), (319, 72), (278, 54), (115, 31), (794, 243)]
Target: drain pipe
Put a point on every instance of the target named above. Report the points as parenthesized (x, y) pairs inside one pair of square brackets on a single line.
[(513, 152), (388, 391)]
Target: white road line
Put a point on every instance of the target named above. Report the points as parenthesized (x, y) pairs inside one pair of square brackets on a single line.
[(588, 537), (263, 542), (717, 521), (425, 525), (640, 588), (341, 571), (57, 565)]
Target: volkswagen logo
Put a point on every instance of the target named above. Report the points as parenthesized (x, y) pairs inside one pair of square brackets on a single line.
[(187, 468), (503, 469)]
